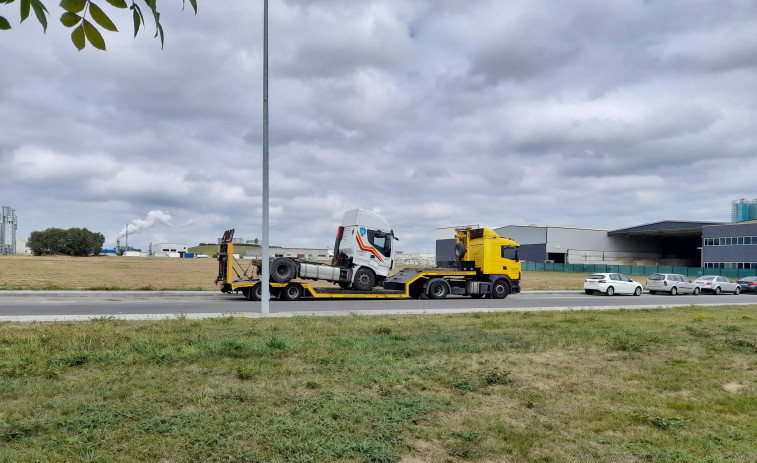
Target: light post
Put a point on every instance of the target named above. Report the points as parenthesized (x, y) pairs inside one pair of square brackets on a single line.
[(265, 299)]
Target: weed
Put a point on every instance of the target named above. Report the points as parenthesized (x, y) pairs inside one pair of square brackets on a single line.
[(465, 386), (276, 343), (497, 376), (382, 329), (245, 373)]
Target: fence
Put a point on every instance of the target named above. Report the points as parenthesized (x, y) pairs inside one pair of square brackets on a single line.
[(640, 269)]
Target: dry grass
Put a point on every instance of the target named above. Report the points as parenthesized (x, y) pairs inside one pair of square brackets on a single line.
[(142, 273), (91, 273)]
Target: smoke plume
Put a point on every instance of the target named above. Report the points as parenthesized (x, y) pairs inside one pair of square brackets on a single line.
[(153, 219)]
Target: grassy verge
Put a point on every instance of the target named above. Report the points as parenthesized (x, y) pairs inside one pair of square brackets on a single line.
[(145, 274), (654, 386)]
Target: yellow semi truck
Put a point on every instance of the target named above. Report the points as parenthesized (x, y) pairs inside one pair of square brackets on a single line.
[(485, 265)]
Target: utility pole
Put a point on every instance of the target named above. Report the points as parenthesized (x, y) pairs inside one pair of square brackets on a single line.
[(264, 303)]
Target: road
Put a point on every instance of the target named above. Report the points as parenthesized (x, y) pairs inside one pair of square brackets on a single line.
[(27, 306)]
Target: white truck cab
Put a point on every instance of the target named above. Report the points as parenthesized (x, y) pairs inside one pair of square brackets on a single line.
[(365, 243)]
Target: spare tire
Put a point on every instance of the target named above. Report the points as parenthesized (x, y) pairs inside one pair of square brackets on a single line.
[(460, 250), (283, 269)]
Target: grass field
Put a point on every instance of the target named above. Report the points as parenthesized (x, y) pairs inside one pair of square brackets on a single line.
[(137, 273), (675, 385)]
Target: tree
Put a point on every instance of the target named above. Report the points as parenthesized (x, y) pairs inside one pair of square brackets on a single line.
[(73, 242), (76, 13)]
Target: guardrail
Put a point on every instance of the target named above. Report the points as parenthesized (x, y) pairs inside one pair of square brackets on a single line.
[(639, 269)]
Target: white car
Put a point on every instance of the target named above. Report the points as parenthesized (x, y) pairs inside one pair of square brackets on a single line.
[(672, 283), (717, 284), (611, 283)]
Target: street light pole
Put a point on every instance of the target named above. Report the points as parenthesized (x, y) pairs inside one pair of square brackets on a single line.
[(264, 303)]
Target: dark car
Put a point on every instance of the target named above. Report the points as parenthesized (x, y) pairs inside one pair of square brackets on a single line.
[(748, 284)]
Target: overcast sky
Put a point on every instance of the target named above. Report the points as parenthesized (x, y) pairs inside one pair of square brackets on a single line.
[(433, 113)]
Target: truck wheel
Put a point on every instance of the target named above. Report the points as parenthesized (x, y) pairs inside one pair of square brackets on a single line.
[(344, 284), (291, 292), (437, 290), (500, 289), (283, 269), (364, 279)]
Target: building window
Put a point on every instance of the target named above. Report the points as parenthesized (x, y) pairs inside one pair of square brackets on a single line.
[(747, 240)]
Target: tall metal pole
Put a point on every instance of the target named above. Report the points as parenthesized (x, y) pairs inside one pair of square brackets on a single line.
[(266, 252)]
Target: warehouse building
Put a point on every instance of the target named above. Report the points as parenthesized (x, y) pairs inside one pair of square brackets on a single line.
[(668, 242)]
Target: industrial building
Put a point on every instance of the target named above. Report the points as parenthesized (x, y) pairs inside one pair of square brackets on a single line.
[(730, 245), (168, 250), (8, 228), (667, 242)]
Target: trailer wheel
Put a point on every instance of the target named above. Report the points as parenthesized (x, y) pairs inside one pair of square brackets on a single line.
[(291, 292), (256, 292), (437, 290), (500, 289), (364, 279), (283, 269)]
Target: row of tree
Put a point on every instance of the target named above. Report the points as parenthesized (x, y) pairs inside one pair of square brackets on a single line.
[(72, 242)]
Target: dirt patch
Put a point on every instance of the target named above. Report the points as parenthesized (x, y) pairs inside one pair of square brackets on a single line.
[(732, 387)]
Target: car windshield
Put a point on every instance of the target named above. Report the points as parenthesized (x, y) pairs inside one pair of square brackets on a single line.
[(657, 276), (705, 278), (596, 276)]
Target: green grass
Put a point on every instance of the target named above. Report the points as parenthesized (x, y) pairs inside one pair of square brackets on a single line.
[(674, 385)]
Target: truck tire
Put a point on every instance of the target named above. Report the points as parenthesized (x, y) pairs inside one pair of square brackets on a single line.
[(283, 269), (437, 289), (255, 293), (364, 279), (500, 289), (291, 292), (460, 250)]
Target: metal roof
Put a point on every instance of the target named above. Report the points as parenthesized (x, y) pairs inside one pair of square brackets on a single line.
[(665, 228)]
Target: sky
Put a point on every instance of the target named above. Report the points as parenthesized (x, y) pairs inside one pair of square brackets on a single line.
[(432, 113)]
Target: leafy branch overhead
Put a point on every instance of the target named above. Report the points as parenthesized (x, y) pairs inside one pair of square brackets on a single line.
[(85, 16)]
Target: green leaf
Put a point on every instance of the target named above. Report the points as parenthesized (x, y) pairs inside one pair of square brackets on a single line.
[(70, 19), (159, 30), (39, 12), (93, 35), (4, 24), (191, 2), (73, 6), (101, 18), (25, 5), (118, 3), (137, 17), (77, 36)]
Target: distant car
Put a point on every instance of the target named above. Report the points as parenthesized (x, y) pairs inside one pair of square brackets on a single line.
[(611, 283), (672, 283), (748, 284), (717, 284)]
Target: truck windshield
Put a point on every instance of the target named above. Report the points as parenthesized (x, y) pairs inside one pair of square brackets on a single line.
[(510, 252)]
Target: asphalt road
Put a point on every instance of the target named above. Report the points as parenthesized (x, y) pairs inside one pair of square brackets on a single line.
[(143, 305)]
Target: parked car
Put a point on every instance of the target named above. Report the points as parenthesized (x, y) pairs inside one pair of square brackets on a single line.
[(611, 283), (717, 284), (748, 284), (672, 283)]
